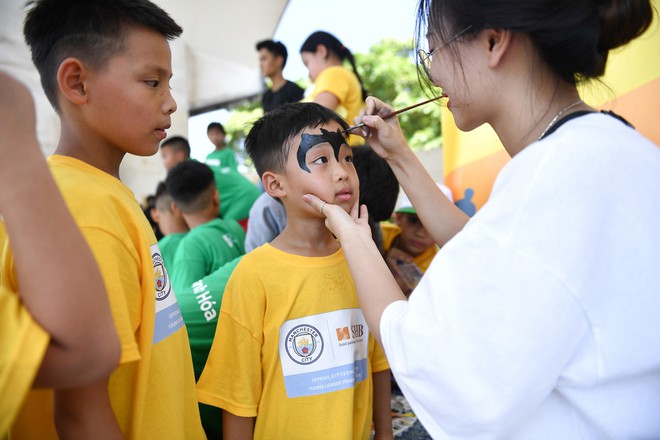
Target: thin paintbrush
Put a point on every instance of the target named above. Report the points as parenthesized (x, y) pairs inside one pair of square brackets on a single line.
[(394, 113)]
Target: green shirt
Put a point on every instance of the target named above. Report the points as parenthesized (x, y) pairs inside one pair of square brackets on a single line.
[(200, 305), (204, 249), (204, 260), (225, 158), (237, 194), (168, 246)]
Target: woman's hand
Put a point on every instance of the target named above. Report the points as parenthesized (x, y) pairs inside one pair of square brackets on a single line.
[(341, 223), (384, 135)]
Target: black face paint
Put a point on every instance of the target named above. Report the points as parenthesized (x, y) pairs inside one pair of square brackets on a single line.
[(307, 141)]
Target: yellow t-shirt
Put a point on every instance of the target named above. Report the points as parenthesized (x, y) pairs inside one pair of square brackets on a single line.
[(152, 392), (342, 83), (292, 349), (22, 346), (391, 231)]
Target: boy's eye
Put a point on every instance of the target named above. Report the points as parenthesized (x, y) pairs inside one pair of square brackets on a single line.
[(152, 83), (321, 159)]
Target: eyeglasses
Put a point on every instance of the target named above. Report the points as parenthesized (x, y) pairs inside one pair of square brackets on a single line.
[(425, 57)]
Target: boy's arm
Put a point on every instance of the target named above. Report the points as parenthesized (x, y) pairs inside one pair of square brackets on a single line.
[(85, 412), (60, 283), (237, 428), (382, 405)]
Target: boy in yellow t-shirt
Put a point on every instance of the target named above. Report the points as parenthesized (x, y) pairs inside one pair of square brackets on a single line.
[(105, 66), (292, 355), (59, 331), (408, 248)]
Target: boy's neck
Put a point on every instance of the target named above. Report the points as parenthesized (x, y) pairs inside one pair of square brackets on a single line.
[(307, 237), (277, 81), (86, 148), (199, 218)]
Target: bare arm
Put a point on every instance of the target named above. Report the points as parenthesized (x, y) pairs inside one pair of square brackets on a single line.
[(327, 99), (236, 427), (60, 283), (382, 405), (440, 216), (85, 412)]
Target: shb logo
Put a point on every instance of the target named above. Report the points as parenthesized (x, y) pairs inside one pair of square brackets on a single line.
[(304, 344), (163, 287), (356, 331)]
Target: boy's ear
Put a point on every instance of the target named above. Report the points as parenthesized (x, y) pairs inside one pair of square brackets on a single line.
[(272, 184), (216, 199), (71, 77), (175, 210)]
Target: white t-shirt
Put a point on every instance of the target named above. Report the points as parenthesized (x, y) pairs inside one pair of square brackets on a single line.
[(541, 318)]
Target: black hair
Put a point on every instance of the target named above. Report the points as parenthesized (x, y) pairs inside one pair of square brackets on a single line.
[(162, 198), (191, 185), (177, 143), (216, 125), (92, 31), (267, 143), (379, 187), (573, 37), (276, 48), (335, 46)]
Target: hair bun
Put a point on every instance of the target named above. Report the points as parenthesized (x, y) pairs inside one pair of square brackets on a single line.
[(622, 21)]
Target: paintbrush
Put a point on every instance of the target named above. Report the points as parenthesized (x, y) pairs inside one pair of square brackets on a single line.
[(396, 112)]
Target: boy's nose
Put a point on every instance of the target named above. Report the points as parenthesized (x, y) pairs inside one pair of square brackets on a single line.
[(169, 105)]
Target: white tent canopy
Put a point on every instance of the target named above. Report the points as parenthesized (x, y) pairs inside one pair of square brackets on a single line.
[(214, 62)]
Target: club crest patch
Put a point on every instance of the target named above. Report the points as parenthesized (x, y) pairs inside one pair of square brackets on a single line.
[(304, 344), (163, 287)]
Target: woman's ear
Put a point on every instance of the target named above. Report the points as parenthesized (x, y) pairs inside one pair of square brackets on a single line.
[(322, 51), (273, 184), (71, 80), (497, 42)]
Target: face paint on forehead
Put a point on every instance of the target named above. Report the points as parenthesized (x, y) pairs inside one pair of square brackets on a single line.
[(307, 141)]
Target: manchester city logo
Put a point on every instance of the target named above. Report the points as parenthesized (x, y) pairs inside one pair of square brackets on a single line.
[(163, 287), (304, 344)]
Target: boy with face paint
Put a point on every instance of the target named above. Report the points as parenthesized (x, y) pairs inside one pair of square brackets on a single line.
[(291, 339)]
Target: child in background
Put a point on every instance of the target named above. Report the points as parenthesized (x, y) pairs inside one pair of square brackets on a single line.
[(291, 341), (211, 241), (57, 331), (222, 157), (170, 222), (237, 193), (174, 150), (272, 59), (105, 67), (335, 87), (200, 304), (407, 246)]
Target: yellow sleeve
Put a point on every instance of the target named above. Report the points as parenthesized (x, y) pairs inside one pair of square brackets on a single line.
[(120, 270), (335, 81), (232, 377), (378, 359), (22, 347)]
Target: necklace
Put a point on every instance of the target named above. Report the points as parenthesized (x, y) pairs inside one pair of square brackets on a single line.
[(558, 115)]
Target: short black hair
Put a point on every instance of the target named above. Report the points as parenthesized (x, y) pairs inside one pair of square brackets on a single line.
[(276, 48), (92, 31), (216, 125), (379, 187), (177, 143), (191, 185), (162, 198), (267, 143)]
